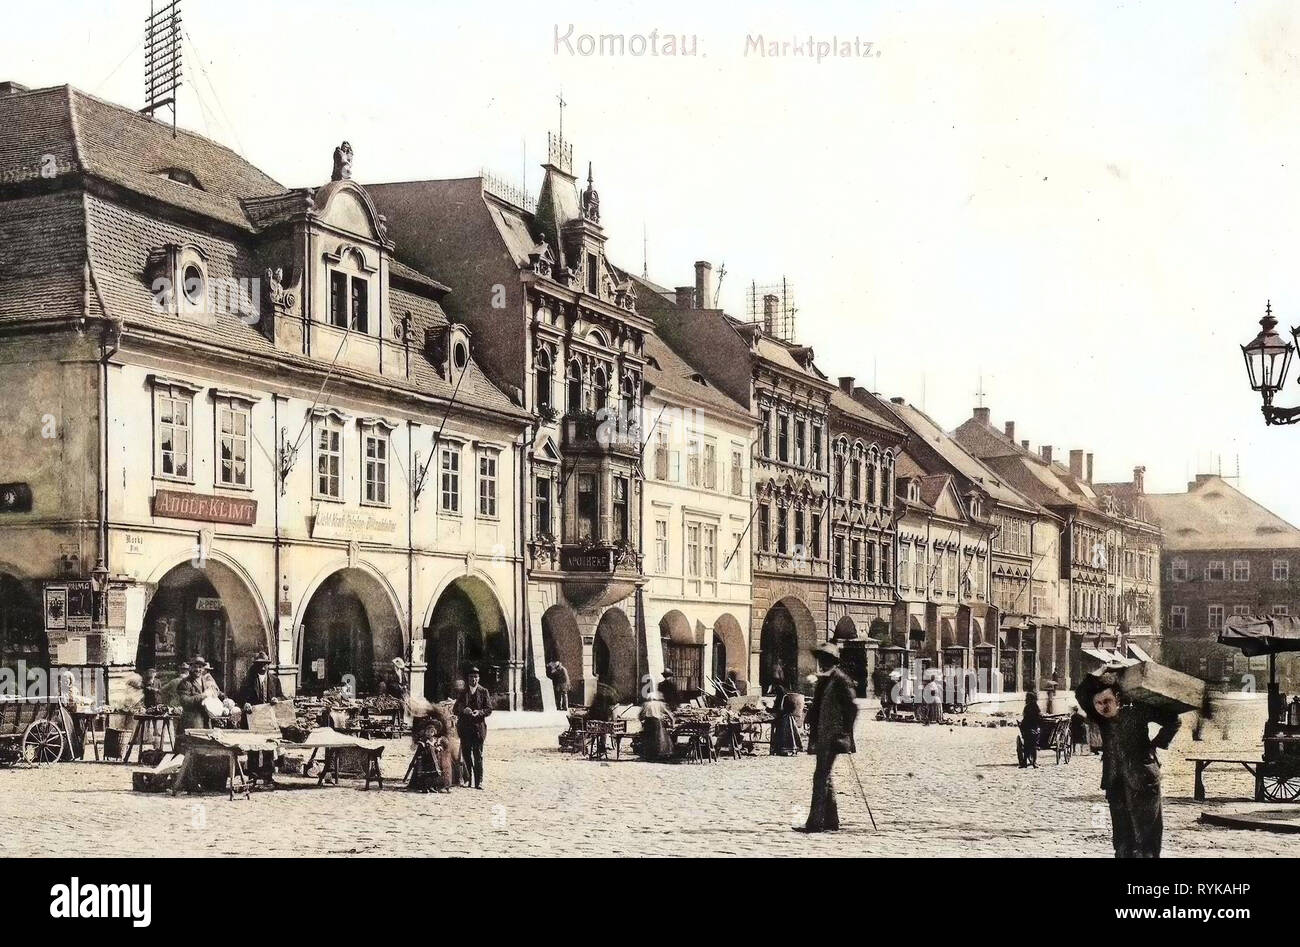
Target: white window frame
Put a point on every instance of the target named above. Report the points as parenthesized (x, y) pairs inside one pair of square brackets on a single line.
[(180, 394), (449, 479), (1222, 567), (487, 502), (691, 550), (661, 546), (236, 406), (331, 423), (1285, 570), (1281, 610), (1178, 618), (1213, 625), (379, 432), (1179, 570), (1240, 570)]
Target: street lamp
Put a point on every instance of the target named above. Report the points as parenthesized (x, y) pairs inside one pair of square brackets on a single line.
[(1268, 356)]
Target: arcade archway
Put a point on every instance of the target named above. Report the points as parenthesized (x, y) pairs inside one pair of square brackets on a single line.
[(467, 626), (207, 612), (22, 627), (788, 632), (562, 641), (351, 631), (614, 654), (729, 651)]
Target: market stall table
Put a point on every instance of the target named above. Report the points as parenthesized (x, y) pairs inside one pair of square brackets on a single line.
[(346, 749), (229, 745)]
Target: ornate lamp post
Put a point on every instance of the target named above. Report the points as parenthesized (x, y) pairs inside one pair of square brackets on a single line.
[(1268, 356)]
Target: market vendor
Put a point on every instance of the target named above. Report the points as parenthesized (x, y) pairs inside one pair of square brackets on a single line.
[(196, 687), (656, 741), (261, 685), (1130, 769)]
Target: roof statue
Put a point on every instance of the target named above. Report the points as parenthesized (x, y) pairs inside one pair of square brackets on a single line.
[(342, 163)]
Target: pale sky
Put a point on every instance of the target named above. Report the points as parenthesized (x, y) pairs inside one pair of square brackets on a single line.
[(1087, 205)]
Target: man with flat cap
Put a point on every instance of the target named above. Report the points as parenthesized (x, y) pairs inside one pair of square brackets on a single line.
[(471, 710), (830, 733)]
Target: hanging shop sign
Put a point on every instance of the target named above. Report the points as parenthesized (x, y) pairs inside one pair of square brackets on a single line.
[(203, 604), (205, 507)]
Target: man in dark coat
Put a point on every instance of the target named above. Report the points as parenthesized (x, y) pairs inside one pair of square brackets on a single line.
[(1130, 769), (191, 691), (261, 686), (559, 676), (472, 708), (830, 733)]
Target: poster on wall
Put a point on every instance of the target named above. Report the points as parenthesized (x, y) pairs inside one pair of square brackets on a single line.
[(81, 605), (56, 608)]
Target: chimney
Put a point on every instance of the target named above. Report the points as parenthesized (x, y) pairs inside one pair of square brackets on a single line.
[(1090, 468), (846, 384), (685, 297), (12, 88), (703, 285), (1047, 452), (1011, 431), (770, 303), (982, 415), (1076, 464), (1139, 480), (1024, 445)]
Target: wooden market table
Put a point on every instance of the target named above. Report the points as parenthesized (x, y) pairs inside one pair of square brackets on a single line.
[(230, 745)]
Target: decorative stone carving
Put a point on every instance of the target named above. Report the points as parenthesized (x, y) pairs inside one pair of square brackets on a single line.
[(591, 199), (342, 163)]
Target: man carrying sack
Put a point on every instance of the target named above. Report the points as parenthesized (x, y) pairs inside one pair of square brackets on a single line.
[(830, 733)]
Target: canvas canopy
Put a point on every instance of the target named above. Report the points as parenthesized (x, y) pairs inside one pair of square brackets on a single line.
[(1255, 635)]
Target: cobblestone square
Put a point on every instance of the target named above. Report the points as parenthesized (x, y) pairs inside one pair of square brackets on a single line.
[(939, 790)]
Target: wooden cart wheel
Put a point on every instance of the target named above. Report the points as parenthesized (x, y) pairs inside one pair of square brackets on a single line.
[(1020, 751), (1281, 788), (42, 742)]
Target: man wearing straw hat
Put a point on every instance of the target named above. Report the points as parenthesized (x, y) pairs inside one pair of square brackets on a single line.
[(830, 733)]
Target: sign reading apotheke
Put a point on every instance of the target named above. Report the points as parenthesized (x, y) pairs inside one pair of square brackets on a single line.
[(361, 526), (205, 507)]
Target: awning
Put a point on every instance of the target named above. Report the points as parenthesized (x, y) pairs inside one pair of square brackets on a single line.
[(1256, 635), (1016, 622), (1108, 656)]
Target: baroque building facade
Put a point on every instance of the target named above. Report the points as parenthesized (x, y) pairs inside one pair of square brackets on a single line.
[(259, 442)]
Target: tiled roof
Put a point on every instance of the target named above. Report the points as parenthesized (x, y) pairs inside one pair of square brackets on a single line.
[(674, 376), (1213, 514), (121, 146), (42, 257), (842, 401), (926, 431)]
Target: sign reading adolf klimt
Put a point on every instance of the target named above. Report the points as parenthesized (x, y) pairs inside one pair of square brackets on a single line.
[(205, 507)]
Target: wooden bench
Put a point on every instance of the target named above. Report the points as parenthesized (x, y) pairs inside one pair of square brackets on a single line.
[(1251, 765)]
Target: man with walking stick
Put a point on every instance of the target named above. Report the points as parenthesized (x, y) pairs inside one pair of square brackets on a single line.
[(830, 733)]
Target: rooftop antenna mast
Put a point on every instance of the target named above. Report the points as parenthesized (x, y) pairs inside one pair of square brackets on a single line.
[(980, 392), (645, 258), (717, 290), (162, 58)]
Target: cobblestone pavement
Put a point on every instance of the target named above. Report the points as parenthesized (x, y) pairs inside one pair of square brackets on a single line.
[(935, 790)]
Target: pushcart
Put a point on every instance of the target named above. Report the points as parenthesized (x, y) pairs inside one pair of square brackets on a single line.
[(34, 730), (1053, 734)]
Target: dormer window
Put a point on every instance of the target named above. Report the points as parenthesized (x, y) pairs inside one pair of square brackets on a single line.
[(913, 491), (349, 301), (180, 176), (193, 284), (459, 355)]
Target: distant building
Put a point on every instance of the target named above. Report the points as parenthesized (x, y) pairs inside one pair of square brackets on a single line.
[(1096, 530), (1224, 555), (865, 440)]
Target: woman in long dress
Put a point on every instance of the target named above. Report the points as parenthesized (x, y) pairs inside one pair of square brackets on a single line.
[(785, 731)]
